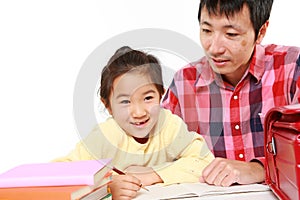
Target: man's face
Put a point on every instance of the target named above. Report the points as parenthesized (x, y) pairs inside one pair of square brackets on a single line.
[(228, 42)]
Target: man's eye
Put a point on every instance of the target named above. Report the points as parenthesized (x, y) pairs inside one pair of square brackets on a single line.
[(125, 102), (232, 34), (205, 30)]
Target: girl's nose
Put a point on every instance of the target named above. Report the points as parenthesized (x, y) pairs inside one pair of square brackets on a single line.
[(138, 111)]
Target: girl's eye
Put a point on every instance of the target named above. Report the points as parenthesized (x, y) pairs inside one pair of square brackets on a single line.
[(148, 98)]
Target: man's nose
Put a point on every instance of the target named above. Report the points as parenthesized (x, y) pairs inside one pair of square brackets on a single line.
[(216, 45)]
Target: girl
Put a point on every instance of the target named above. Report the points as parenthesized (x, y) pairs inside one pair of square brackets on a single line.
[(146, 141)]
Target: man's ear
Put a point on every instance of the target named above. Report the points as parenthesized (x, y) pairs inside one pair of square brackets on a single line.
[(106, 106), (262, 32)]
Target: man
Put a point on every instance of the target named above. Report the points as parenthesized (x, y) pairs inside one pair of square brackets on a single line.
[(225, 95)]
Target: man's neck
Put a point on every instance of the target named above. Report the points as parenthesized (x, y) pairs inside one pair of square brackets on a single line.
[(236, 77)]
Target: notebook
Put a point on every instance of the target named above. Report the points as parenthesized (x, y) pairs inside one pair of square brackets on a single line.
[(55, 173)]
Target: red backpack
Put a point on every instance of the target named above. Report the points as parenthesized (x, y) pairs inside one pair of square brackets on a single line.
[(282, 151)]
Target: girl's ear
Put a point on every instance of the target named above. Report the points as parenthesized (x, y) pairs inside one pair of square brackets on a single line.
[(106, 106), (262, 32)]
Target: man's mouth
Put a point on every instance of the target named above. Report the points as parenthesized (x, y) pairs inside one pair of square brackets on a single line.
[(219, 62)]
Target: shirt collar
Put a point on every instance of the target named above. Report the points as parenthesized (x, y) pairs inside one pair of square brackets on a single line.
[(257, 63), (205, 74)]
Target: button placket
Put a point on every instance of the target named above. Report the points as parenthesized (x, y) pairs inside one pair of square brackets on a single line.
[(237, 127)]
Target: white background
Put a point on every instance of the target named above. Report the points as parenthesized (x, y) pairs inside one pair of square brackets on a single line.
[(43, 45)]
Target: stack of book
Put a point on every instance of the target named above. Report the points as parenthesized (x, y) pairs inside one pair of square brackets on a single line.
[(78, 180)]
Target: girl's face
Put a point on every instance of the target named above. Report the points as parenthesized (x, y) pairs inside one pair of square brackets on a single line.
[(135, 104)]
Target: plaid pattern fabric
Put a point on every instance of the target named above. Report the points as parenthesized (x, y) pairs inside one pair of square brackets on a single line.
[(231, 118)]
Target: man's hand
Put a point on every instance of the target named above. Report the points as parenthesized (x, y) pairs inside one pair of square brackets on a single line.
[(225, 172)]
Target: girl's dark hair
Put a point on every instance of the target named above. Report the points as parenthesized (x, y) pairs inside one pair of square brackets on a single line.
[(259, 10), (124, 60)]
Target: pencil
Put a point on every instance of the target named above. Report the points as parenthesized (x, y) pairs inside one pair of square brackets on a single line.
[(122, 173), (118, 171)]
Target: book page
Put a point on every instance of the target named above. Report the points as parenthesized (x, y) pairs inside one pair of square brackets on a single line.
[(196, 190)]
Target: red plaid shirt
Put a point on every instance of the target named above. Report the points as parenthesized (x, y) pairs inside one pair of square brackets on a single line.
[(231, 118)]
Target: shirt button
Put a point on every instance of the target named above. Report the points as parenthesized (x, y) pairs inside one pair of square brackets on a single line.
[(237, 127), (241, 155), (235, 97)]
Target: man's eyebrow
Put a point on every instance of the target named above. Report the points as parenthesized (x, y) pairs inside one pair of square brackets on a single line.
[(205, 23), (226, 26), (233, 26)]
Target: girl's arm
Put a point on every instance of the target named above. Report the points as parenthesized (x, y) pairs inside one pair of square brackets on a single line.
[(187, 153), (189, 164)]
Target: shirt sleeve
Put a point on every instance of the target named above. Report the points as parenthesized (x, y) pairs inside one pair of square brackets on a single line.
[(295, 87), (260, 160), (78, 153), (187, 168), (170, 100), (89, 148), (190, 152)]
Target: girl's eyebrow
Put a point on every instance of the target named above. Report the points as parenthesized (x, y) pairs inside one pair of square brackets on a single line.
[(149, 91), (127, 95), (122, 95)]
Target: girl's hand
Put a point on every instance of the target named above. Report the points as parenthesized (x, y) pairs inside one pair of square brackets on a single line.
[(124, 187), (146, 174)]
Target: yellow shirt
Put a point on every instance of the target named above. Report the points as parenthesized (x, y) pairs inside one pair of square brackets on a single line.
[(174, 153)]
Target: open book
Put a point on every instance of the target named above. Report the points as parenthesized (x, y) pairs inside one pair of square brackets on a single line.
[(197, 190)]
